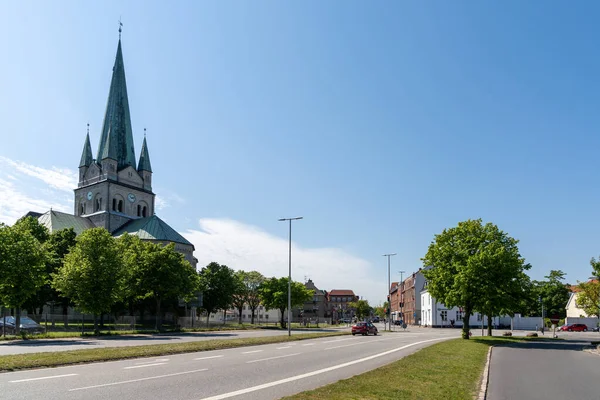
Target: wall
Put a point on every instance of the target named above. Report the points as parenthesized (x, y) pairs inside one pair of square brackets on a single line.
[(590, 322)]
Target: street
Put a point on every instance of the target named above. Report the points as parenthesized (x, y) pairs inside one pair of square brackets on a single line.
[(257, 372)]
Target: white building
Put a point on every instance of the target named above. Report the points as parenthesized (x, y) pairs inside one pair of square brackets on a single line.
[(435, 314), (572, 310)]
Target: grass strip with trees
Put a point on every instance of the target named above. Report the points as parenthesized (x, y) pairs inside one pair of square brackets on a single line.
[(61, 358), (450, 370)]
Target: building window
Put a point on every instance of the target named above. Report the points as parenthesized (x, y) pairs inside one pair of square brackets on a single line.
[(114, 207), (120, 206), (267, 316), (478, 316), (98, 204), (144, 212), (139, 210), (459, 315), (444, 315)]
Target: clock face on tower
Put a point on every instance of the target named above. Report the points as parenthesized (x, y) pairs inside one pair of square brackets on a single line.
[(131, 197), (89, 195)]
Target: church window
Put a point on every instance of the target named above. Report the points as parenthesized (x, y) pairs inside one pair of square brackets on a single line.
[(114, 207), (139, 210), (98, 204), (144, 212), (120, 206)]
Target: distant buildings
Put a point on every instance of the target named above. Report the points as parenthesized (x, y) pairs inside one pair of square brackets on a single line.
[(405, 299)]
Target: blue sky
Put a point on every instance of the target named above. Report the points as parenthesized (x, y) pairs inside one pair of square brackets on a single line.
[(381, 124)]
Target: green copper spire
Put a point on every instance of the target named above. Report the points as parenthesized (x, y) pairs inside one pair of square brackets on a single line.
[(144, 164), (86, 156), (116, 141)]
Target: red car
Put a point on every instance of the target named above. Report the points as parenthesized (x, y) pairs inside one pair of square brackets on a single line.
[(364, 328), (574, 328)]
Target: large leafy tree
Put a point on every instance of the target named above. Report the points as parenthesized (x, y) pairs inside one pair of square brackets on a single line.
[(274, 295), (158, 272), (589, 295), (477, 267), (362, 308), (553, 293), (241, 294), (247, 292), (22, 266), (219, 285), (92, 273)]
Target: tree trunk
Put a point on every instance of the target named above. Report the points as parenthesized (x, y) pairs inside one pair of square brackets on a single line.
[(18, 321), (282, 311), (465, 330), (252, 319), (489, 327), (207, 317), (96, 324), (157, 324), (101, 320), (240, 314), (65, 312)]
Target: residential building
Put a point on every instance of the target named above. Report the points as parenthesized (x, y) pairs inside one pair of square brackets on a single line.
[(315, 308), (338, 301), (395, 301), (115, 191), (410, 299)]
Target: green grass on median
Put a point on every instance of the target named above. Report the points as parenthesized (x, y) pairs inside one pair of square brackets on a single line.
[(450, 370), (55, 359)]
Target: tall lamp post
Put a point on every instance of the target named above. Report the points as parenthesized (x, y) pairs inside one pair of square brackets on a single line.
[(289, 307), (389, 290)]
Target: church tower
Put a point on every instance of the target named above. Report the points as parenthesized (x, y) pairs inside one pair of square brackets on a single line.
[(111, 191)]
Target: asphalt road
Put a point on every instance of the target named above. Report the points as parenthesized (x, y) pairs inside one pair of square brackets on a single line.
[(257, 372), (557, 370)]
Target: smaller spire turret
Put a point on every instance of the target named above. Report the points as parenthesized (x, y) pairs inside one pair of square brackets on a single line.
[(86, 156), (144, 164)]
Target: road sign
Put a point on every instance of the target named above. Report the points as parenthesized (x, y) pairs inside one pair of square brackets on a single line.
[(555, 319)]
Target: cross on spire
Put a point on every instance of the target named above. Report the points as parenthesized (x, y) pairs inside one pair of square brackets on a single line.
[(120, 27)]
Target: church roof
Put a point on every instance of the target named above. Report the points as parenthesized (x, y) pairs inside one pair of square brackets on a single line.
[(144, 164), (152, 228), (116, 141), (86, 156), (56, 220)]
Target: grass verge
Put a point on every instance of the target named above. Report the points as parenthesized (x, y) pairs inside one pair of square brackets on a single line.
[(55, 359), (450, 370)]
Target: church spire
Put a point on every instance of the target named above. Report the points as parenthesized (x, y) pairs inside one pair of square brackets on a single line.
[(116, 141), (144, 164), (86, 155)]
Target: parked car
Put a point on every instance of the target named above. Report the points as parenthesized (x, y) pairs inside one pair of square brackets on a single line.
[(596, 329), (364, 328), (574, 328), (375, 319), (26, 325)]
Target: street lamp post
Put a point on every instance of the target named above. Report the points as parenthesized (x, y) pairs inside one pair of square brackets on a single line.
[(389, 290), (289, 316)]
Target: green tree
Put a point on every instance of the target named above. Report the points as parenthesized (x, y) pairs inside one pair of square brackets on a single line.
[(554, 294), (362, 308), (158, 272), (22, 265), (241, 293), (274, 295), (588, 298), (247, 294), (37, 230), (218, 284), (477, 267), (92, 273), (380, 310)]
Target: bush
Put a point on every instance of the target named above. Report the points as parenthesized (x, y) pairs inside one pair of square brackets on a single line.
[(532, 334), (507, 334)]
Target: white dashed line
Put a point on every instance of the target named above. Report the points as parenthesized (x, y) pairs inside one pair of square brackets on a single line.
[(339, 340), (271, 358), (152, 361), (43, 377), (206, 358), (285, 347), (308, 344), (138, 380), (250, 352), (352, 344), (144, 365)]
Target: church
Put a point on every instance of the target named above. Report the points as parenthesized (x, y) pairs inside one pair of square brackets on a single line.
[(115, 192)]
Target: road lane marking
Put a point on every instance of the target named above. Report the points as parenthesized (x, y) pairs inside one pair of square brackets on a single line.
[(313, 373), (152, 361), (144, 365), (308, 344), (271, 358), (138, 380), (43, 377), (206, 358), (250, 352), (352, 344), (285, 347), (339, 340)]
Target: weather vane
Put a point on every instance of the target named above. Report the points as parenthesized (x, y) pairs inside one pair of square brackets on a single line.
[(120, 27), (144, 132), (88, 129)]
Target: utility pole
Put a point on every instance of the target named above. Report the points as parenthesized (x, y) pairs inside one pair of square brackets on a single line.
[(402, 296), (289, 313)]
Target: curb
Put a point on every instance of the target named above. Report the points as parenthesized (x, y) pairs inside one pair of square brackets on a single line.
[(485, 377)]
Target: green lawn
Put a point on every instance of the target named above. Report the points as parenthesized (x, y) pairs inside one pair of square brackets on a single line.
[(41, 360), (450, 370)]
